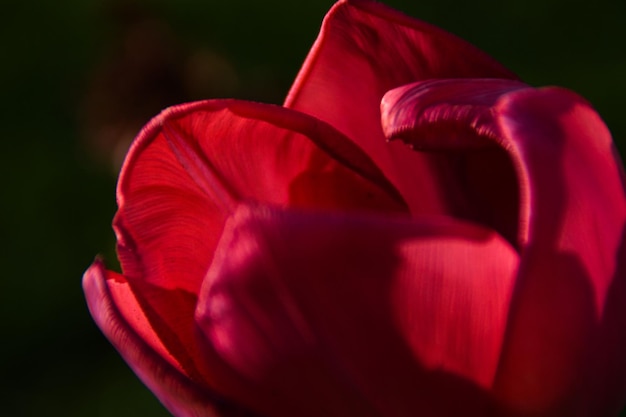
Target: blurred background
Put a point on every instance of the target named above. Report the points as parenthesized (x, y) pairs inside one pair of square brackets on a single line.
[(79, 78)]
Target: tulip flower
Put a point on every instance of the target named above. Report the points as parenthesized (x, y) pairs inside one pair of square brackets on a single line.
[(416, 232)]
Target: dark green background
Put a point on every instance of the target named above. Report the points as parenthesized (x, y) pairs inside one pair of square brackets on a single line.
[(62, 77)]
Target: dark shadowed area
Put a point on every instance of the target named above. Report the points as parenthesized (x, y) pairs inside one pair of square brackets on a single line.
[(78, 80)]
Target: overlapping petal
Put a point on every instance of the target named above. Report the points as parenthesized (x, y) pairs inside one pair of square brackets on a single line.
[(337, 315), (186, 173), (570, 233), (119, 315), (365, 49)]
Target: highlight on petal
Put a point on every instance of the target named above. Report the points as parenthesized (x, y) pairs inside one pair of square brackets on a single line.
[(572, 215), (115, 311), (370, 315), (365, 49)]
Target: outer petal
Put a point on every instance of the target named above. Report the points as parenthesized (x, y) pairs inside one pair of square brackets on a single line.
[(187, 171), (346, 315), (116, 312), (365, 49), (566, 323)]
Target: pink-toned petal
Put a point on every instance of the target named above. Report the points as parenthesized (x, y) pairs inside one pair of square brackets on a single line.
[(565, 326), (365, 49), (453, 118), (115, 311), (349, 315), (569, 304), (192, 164)]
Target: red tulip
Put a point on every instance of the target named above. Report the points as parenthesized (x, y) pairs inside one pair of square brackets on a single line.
[(289, 261)]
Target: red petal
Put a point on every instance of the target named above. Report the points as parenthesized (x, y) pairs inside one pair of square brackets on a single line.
[(569, 302), (340, 316), (117, 313), (192, 164), (365, 49), (187, 171)]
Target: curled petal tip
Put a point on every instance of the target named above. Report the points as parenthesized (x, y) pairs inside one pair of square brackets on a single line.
[(445, 114)]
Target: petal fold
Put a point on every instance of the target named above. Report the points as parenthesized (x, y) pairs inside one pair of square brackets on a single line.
[(449, 114)]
